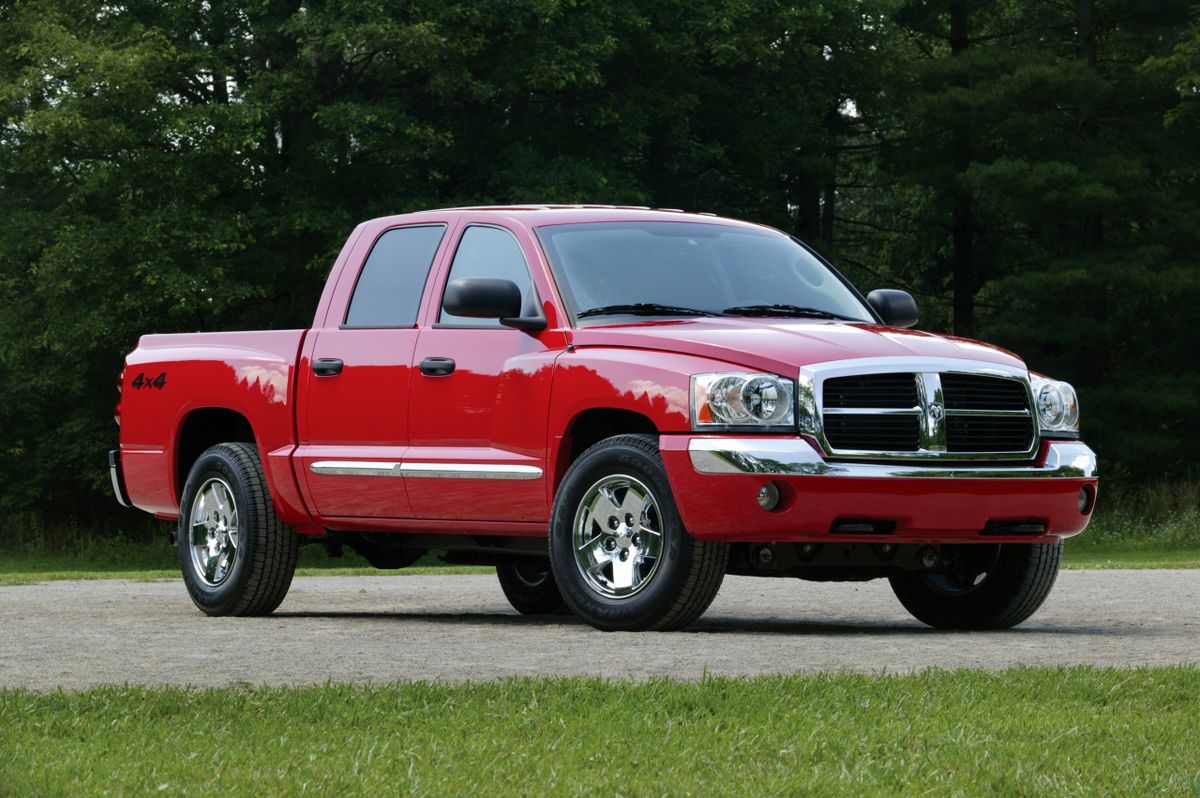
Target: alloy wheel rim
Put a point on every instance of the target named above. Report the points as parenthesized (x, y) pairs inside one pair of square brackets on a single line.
[(213, 537), (618, 536)]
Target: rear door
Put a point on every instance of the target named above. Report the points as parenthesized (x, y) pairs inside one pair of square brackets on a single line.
[(356, 376), (478, 431)]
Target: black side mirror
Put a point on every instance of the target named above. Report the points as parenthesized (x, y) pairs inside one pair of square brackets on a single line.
[(488, 298), (896, 308)]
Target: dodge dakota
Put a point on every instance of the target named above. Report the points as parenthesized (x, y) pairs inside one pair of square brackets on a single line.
[(615, 407)]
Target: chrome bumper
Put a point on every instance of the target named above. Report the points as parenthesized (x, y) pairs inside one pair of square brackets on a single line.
[(796, 457)]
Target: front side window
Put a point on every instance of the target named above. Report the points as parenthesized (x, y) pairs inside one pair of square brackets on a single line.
[(489, 252), (388, 291), (610, 269)]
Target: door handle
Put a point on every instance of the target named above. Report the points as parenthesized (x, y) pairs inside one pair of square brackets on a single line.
[(437, 366), (327, 366)]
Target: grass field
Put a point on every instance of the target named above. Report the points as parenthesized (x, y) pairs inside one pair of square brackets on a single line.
[(1030, 732)]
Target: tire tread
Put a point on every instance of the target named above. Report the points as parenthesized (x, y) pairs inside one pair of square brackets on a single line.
[(708, 560), (1032, 571), (272, 559)]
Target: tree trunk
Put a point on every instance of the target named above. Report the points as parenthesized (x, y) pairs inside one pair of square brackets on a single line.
[(829, 198), (808, 207), (1089, 126), (962, 224)]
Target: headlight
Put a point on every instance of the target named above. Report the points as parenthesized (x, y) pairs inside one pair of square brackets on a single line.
[(740, 399), (1055, 404)]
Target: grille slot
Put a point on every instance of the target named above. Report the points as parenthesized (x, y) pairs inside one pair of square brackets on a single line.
[(872, 390), (873, 432), (971, 392), (972, 434)]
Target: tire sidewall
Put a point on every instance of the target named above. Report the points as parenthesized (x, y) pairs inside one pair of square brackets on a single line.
[(991, 605), (222, 598), (543, 598), (645, 606)]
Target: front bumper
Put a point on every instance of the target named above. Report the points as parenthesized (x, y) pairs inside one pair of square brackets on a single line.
[(716, 479)]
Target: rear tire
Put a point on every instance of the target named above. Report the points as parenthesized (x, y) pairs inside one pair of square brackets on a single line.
[(619, 552), (531, 590), (994, 586), (237, 557)]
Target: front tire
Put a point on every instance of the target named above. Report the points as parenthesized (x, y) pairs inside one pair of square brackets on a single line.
[(994, 586), (531, 590), (618, 549), (237, 557)]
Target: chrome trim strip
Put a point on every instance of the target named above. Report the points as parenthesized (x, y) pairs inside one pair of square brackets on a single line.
[(357, 468), (114, 474), (469, 471), (795, 457), (872, 411), (927, 371), (376, 468)]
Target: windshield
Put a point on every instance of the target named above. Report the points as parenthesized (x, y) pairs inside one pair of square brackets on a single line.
[(692, 269)]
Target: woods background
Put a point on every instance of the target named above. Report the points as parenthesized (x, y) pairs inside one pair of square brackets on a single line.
[(1028, 169)]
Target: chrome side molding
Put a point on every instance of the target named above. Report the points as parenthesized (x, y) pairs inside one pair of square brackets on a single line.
[(469, 471), (376, 468), (357, 468)]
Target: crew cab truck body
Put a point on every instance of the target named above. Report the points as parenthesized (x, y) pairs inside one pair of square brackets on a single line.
[(616, 407)]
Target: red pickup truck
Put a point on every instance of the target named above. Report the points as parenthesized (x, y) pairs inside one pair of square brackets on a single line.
[(615, 407)]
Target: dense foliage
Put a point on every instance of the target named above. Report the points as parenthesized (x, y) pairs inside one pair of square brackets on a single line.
[(1028, 169)]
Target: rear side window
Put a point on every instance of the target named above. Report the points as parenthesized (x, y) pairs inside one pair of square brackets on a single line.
[(489, 252), (389, 288)]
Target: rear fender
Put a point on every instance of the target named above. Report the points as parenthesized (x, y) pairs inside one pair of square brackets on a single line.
[(169, 377)]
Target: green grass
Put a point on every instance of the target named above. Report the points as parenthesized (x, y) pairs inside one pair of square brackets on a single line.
[(1046, 731), (1116, 556), (115, 558)]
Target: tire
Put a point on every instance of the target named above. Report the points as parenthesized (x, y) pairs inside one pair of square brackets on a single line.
[(247, 572), (986, 586), (531, 590), (648, 574)]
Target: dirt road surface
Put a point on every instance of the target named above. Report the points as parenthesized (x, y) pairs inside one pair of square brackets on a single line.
[(384, 628)]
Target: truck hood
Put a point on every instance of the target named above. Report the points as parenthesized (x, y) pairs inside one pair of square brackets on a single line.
[(784, 345)]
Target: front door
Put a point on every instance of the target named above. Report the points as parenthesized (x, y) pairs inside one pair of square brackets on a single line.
[(480, 396)]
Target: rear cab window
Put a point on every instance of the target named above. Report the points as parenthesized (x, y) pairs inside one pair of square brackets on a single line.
[(392, 281)]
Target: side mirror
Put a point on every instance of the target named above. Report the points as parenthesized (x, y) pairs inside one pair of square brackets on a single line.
[(482, 298), (896, 308), (488, 298)]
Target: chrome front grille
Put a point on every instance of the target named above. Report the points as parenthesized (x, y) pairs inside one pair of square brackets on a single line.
[(937, 408)]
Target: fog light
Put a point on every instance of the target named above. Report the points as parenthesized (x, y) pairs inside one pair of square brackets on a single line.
[(1086, 496), (768, 497)]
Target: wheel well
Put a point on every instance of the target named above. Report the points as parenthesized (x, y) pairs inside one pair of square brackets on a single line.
[(592, 426), (204, 428)]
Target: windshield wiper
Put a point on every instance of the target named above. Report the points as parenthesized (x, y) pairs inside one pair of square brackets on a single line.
[(788, 311), (644, 309)]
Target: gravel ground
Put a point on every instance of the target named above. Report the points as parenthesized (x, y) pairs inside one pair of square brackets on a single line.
[(383, 628)]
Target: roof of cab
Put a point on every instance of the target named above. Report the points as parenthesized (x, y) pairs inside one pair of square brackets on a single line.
[(541, 215)]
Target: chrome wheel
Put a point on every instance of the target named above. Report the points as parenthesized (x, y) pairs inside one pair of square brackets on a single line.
[(214, 535), (618, 538)]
